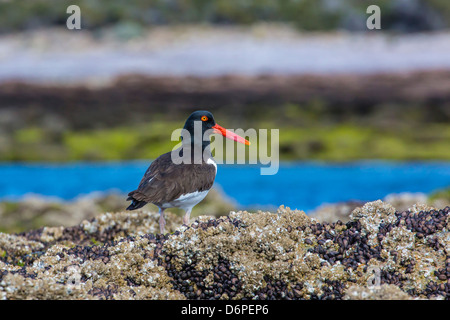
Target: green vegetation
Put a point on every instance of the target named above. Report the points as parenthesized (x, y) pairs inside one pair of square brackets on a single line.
[(443, 194), (130, 15), (343, 142), (333, 142)]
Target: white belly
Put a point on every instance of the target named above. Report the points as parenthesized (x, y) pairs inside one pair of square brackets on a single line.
[(211, 161), (187, 201)]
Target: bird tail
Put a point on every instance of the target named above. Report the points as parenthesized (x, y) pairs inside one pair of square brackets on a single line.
[(135, 204)]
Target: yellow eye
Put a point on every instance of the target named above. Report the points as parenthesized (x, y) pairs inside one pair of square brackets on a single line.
[(204, 118)]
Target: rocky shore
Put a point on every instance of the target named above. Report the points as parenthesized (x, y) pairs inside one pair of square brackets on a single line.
[(380, 253)]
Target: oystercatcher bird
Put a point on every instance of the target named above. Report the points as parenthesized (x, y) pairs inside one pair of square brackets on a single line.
[(182, 178)]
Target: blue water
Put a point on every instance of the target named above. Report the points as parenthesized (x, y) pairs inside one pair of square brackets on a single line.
[(304, 185)]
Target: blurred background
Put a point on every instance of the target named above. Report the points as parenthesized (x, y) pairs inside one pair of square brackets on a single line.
[(362, 114)]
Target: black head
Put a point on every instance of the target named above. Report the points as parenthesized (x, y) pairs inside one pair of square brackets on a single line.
[(205, 118)]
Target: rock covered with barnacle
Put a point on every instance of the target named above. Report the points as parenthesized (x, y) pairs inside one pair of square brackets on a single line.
[(380, 253)]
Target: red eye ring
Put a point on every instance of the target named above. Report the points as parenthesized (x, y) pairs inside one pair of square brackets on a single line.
[(204, 118)]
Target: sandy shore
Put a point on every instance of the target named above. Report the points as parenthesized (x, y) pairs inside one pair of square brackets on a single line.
[(64, 56)]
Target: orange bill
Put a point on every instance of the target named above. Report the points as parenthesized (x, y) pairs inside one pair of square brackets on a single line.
[(230, 135)]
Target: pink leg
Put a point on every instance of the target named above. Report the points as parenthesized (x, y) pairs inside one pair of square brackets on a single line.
[(162, 221), (187, 216)]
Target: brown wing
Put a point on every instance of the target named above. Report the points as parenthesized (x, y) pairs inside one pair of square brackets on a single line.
[(165, 181)]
